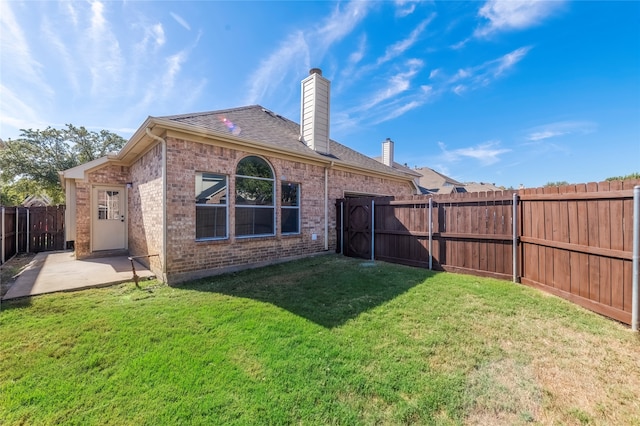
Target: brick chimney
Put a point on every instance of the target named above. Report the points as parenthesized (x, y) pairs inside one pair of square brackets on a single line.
[(314, 111), (387, 152)]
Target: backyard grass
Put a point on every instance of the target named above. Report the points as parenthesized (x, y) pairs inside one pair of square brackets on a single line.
[(326, 340)]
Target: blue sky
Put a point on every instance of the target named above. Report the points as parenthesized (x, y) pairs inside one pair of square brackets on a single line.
[(508, 92)]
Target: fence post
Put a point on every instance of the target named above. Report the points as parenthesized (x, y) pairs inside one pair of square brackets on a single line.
[(430, 234), (514, 220), (28, 211), (342, 227), (17, 229), (373, 230), (635, 293), (2, 238)]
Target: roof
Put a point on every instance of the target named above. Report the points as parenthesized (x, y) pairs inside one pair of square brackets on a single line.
[(431, 179), (402, 167), (256, 123)]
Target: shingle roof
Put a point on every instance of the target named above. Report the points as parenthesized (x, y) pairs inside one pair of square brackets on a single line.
[(256, 123)]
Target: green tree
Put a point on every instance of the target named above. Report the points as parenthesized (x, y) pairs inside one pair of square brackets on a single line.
[(559, 183), (30, 164), (627, 177)]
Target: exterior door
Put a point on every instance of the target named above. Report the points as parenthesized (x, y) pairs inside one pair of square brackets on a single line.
[(109, 218)]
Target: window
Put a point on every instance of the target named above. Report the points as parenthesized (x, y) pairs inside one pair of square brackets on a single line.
[(255, 194), (290, 208), (108, 205), (211, 206)]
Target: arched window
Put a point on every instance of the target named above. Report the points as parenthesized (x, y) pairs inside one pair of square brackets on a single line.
[(255, 195)]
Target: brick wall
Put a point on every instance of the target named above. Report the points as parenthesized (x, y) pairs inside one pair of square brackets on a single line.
[(108, 175), (187, 257), (146, 209)]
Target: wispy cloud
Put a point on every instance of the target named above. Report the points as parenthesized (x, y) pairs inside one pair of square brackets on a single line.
[(561, 128), (107, 62), (296, 50), (397, 84), (486, 154), (270, 75), (15, 55), (180, 20), (402, 46), (514, 15), (406, 7), (482, 75)]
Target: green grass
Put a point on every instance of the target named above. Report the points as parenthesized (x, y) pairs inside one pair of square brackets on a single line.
[(326, 340)]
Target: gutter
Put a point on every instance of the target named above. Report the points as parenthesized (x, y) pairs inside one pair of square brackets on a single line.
[(163, 258)]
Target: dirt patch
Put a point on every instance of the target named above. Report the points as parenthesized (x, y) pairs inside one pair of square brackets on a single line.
[(11, 269)]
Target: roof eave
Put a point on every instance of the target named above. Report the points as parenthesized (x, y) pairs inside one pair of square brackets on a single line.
[(131, 149)]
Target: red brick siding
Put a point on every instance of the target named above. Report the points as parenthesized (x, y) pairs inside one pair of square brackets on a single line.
[(146, 208), (185, 254), (107, 175)]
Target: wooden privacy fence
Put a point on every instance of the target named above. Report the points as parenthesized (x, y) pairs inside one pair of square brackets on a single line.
[(572, 241), (577, 242), (30, 229)]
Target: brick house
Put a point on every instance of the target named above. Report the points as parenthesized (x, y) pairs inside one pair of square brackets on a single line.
[(213, 192)]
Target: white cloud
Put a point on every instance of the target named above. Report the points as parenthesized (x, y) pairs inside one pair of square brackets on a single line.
[(514, 15), (15, 55), (459, 89), (402, 46), (69, 64), (180, 20), (340, 23), (269, 75), (482, 75), (397, 84), (106, 61), (295, 52), (487, 153), (561, 128)]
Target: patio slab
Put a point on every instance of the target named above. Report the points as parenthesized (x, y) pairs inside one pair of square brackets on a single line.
[(51, 272)]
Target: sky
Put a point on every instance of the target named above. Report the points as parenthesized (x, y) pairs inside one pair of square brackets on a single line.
[(506, 92)]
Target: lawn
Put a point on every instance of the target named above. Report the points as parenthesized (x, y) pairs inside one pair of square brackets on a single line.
[(326, 340)]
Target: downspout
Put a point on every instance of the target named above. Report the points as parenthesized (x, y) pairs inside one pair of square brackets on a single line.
[(326, 206), (164, 201)]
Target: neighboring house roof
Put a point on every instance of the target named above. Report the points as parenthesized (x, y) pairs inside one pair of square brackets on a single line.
[(481, 187), (433, 179), (402, 167), (36, 201)]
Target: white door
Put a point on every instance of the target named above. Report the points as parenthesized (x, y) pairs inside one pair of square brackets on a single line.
[(109, 220)]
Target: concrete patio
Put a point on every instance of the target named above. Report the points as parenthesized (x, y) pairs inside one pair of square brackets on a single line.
[(51, 272)]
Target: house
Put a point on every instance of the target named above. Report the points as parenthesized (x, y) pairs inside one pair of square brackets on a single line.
[(213, 192), (428, 180)]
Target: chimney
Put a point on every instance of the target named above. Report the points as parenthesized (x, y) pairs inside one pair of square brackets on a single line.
[(387, 152), (314, 111)]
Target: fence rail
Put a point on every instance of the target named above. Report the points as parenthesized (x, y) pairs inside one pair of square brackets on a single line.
[(572, 241), (30, 229)]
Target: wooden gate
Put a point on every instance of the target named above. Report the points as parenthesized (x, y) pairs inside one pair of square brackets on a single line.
[(31, 229), (357, 227)]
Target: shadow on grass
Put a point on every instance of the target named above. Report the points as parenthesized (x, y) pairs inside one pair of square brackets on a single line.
[(328, 290)]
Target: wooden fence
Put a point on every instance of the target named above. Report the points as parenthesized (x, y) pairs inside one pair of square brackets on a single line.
[(572, 241), (30, 229), (577, 242)]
